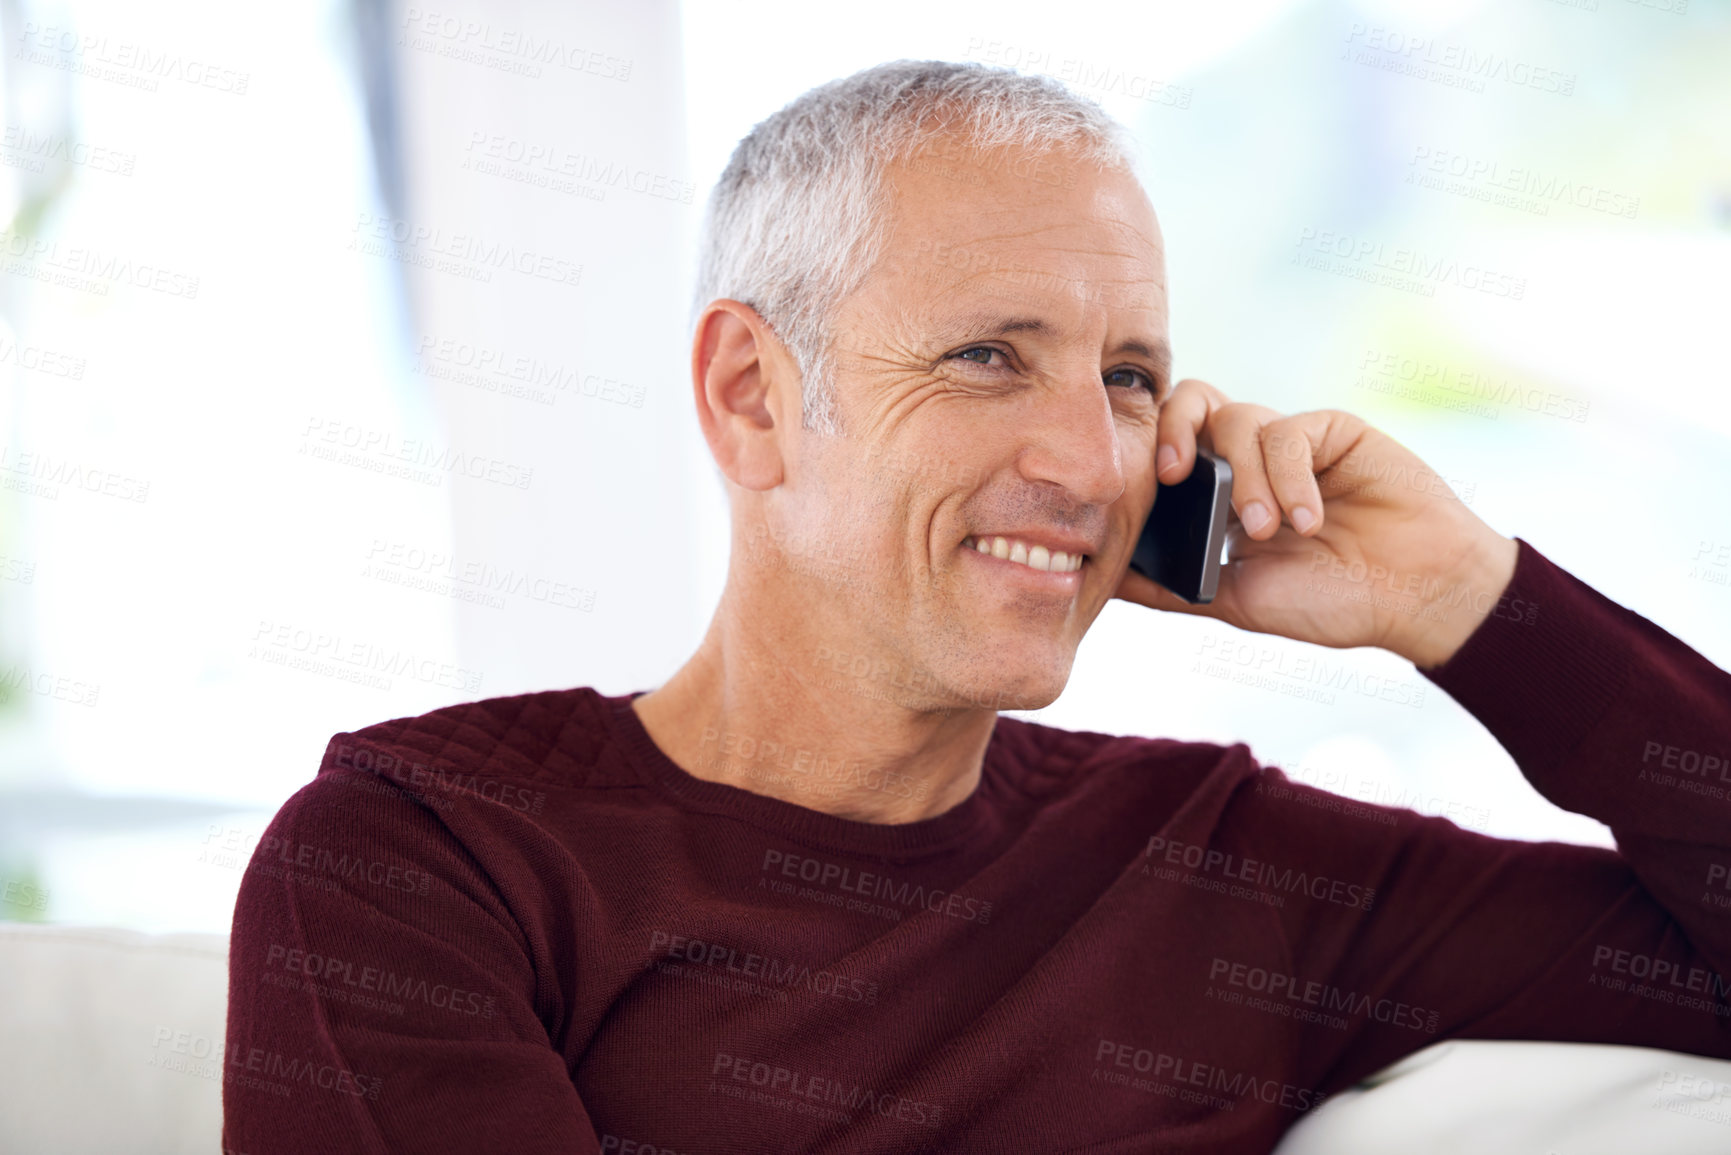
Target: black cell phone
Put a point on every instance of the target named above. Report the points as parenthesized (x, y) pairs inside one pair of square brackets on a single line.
[(1185, 532)]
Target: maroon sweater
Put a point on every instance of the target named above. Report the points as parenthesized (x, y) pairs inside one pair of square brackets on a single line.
[(515, 925)]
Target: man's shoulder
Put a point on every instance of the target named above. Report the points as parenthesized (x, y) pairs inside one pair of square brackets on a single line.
[(553, 735)]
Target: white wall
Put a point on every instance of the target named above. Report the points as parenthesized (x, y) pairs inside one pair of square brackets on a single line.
[(605, 510)]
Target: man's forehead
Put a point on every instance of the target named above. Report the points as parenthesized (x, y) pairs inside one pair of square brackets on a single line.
[(1009, 237), (972, 235), (970, 292), (962, 282), (1009, 195)]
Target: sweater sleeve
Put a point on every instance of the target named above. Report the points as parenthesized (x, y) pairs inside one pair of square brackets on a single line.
[(381, 996), (1606, 715)]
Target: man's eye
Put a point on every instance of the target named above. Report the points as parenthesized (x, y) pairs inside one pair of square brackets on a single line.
[(1135, 377), (979, 354)]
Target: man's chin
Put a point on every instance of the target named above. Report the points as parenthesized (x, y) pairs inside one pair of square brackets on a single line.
[(1008, 690), (1024, 702)]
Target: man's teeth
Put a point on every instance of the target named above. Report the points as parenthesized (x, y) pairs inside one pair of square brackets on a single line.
[(1032, 556)]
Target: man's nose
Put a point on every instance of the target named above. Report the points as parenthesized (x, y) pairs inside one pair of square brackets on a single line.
[(1074, 443)]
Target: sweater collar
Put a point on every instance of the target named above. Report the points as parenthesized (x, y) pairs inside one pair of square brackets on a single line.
[(956, 827)]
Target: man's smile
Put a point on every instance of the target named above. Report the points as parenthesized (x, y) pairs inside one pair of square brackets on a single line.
[(1026, 553), (1029, 568)]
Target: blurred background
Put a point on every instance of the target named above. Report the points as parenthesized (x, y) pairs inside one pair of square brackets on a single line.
[(344, 362)]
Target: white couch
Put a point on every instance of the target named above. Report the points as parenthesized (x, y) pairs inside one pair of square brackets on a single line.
[(102, 1033)]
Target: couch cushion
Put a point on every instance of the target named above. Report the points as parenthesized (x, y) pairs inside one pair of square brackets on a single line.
[(1509, 1098), (112, 1039)]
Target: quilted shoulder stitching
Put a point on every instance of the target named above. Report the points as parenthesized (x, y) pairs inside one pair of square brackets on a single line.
[(551, 737)]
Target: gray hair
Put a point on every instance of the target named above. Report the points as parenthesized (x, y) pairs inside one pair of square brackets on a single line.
[(798, 218)]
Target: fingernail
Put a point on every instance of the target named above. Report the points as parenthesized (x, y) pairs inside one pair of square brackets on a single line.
[(1254, 517), (1165, 459), (1302, 519)]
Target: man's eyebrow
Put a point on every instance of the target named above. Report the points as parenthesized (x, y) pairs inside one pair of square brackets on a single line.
[(989, 325), (1159, 352)]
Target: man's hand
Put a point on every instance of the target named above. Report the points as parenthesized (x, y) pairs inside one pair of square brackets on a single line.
[(1343, 537)]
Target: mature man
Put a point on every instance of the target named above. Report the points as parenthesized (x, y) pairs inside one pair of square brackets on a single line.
[(815, 894)]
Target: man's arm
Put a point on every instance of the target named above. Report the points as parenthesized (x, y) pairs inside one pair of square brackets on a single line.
[(1612, 717), (381, 996), (1609, 716), (1346, 538)]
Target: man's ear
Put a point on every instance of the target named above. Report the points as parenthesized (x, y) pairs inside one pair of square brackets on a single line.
[(740, 372)]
